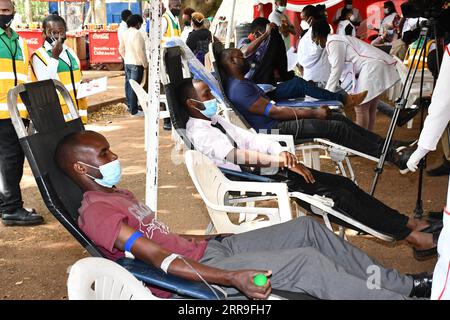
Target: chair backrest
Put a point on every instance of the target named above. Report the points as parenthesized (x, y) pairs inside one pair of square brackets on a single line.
[(141, 94), (96, 278), (60, 194)]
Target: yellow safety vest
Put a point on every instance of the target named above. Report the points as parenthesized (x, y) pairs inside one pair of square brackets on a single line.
[(416, 47), (173, 29), (70, 76), (14, 70)]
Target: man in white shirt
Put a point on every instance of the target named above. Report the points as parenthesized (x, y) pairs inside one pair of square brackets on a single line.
[(231, 147), (282, 21), (356, 20), (132, 49), (123, 24)]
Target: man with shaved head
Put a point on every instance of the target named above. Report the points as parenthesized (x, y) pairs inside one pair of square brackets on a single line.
[(14, 66), (298, 256)]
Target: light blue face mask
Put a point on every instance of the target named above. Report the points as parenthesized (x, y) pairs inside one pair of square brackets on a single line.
[(111, 172), (281, 8), (210, 107)]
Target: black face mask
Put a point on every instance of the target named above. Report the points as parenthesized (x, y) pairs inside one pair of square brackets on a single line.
[(187, 23), (175, 12), (6, 20)]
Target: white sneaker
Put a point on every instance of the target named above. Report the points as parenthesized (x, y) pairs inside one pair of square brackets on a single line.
[(139, 114)]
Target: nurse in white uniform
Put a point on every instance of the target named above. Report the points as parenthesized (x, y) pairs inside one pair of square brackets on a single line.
[(372, 69), (434, 126)]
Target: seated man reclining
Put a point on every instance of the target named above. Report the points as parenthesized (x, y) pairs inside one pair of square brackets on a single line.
[(263, 115), (299, 256), (228, 145)]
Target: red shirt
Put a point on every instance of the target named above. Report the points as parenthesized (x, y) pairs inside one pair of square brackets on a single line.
[(101, 214)]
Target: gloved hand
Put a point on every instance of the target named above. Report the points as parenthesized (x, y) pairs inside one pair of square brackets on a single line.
[(415, 158)]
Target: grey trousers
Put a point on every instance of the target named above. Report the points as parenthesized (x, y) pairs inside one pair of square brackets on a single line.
[(305, 256)]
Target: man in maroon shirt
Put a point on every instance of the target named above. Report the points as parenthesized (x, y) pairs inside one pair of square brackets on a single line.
[(299, 256)]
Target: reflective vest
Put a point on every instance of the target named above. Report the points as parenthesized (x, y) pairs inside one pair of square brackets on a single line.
[(173, 28), (14, 65), (70, 76), (416, 47)]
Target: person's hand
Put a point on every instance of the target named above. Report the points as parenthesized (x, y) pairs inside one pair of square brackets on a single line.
[(300, 169), (57, 48), (288, 160), (323, 113), (243, 281), (415, 158)]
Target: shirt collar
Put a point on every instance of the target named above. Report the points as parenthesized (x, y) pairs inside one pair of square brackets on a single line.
[(170, 14), (14, 34)]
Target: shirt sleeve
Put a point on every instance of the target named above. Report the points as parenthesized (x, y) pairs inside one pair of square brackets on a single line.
[(101, 223), (121, 46), (336, 56), (140, 49), (212, 143), (163, 26), (258, 142), (244, 94), (42, 71)]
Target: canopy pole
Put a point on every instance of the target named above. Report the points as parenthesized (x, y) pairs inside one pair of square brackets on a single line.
[(230, 25), (152, 116)]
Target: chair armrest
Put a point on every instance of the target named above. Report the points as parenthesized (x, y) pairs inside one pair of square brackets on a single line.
[(156, 277), (287, 139)]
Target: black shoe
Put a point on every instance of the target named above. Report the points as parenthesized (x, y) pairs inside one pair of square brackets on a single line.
[(433, 227), (442, 170), (167, 124), (422, 283), (21, 217), (405, 115), (435, 216), (422, 255), (401, 159)]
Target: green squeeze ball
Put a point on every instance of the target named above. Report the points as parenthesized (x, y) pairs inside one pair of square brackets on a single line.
[(260, 280)]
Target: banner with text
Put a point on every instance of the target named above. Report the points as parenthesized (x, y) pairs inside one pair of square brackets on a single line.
[(104, 47)]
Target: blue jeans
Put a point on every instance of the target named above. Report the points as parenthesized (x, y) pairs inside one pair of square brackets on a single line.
[(136, 73), (299, 88)]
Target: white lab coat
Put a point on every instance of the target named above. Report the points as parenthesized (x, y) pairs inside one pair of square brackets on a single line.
[(434, 125), (341, 28), (372, 69), (314, 59)]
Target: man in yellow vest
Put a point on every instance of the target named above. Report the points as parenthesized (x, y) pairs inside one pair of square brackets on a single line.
[(55, 60), (170, 27), (14, 64)]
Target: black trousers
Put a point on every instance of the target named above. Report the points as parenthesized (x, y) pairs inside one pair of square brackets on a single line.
[(11, 167), (339, 129), (352, 201)]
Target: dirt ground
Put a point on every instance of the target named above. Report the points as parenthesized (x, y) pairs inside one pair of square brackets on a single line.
[(34, 260)]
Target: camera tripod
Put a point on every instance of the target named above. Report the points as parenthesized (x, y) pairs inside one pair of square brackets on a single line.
[(400, 104)]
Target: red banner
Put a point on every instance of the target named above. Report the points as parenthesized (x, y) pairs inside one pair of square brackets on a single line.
[(33, 38), (104, 47)]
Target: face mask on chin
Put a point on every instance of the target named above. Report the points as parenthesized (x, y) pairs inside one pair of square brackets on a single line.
[(245, 67), (52, 40), (304, 25), (175, 12), (6, 20)]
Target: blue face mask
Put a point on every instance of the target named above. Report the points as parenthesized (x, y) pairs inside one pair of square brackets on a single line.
[(111, 172), (210, 107)]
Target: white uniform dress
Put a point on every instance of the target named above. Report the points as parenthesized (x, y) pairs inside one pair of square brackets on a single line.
[(343, 25), (314, 59), (434, 125), (372, 69)]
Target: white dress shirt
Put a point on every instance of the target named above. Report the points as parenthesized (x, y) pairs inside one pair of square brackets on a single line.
[(214, 144), (132, 48), (122, 28), (314, 59)]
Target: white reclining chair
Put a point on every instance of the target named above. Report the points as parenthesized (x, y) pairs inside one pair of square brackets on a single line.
[(95, 278)]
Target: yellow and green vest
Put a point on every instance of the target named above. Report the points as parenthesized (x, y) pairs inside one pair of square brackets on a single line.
[(173, 29), (14, 69), (416, 47), (70, 76)]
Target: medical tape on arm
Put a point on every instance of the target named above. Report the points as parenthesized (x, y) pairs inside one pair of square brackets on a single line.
[(131, 240), (167, 261)]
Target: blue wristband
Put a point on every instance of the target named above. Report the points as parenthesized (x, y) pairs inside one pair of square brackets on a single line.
[(131, 240), (266, 111)]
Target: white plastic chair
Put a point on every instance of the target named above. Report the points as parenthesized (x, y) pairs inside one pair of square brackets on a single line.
[(96, 278), (143, 98), (214, 189), (402, 70)]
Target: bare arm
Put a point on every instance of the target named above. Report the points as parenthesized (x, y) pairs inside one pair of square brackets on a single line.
[(251, 48), (151, 253)]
